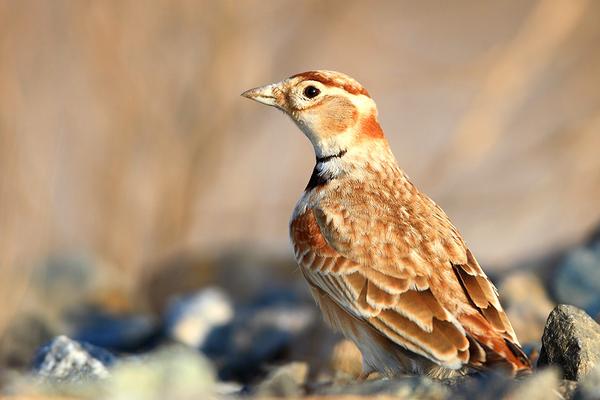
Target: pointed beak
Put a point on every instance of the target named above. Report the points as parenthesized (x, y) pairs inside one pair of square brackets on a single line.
[(264, 94)]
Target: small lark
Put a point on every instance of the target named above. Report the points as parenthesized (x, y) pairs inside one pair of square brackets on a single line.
[(383, 261)]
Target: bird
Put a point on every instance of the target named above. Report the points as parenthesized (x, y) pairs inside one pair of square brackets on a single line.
[(383, 261)]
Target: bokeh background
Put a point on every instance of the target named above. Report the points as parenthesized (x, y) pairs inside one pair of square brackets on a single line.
[(132, 171)]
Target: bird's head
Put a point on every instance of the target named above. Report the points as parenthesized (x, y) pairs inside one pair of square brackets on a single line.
[(334, 111)]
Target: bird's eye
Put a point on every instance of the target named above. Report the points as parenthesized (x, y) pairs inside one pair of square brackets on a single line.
[(311, 92)]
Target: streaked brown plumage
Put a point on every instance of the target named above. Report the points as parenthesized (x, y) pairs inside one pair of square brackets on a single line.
[(385, 264)]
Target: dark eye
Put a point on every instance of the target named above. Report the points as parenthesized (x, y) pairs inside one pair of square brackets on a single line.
[(311, 92)]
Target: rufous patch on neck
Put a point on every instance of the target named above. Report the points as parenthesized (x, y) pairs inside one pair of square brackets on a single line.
[(371, 128), (338, 80)]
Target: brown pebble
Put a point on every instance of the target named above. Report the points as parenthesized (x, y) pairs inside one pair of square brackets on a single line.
[(346, 360)]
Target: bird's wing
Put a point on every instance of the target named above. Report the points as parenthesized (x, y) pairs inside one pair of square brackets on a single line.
[(415, 283)]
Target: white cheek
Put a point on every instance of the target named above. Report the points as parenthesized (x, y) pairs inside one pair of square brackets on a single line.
[(308, 124), (325, 146)]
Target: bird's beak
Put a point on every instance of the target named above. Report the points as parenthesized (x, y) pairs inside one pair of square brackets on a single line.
[(264, 94)]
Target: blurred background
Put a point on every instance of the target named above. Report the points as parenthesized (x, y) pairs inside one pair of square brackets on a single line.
[(132, 172)]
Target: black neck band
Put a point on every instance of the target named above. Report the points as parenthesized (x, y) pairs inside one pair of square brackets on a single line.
[(317, 179), (327, 158)]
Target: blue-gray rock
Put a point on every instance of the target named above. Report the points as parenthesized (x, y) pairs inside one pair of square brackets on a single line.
[(261, 332), (119, 333), (66, 360), (571, 341), (577, 280)]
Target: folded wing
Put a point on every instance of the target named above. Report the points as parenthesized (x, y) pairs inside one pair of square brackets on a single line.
[(430, 297)]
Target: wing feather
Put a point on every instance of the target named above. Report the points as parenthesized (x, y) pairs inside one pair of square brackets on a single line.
[(392, 291)]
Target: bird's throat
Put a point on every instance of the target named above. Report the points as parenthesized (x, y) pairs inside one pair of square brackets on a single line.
[(320, 176)]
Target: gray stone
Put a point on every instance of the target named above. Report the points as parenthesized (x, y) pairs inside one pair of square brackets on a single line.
[(413, 387), (571, 341), (589, 389), (567, 388), (228, 389), (285, 381), (66, 360), (119, 333), (578, 279), (189, 320), (542, 385), (261, 333), (493, 385)]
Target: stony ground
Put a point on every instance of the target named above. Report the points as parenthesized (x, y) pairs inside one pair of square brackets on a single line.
[(255, 333)]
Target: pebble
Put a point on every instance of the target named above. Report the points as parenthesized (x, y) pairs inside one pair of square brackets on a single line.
[(571, 341), (66, 360), (346, 360), (171, 372), (191, 319), (285, 381), (542, 385), (261, 332)]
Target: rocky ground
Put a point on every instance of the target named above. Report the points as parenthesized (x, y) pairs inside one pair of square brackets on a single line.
[(252, 331)]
